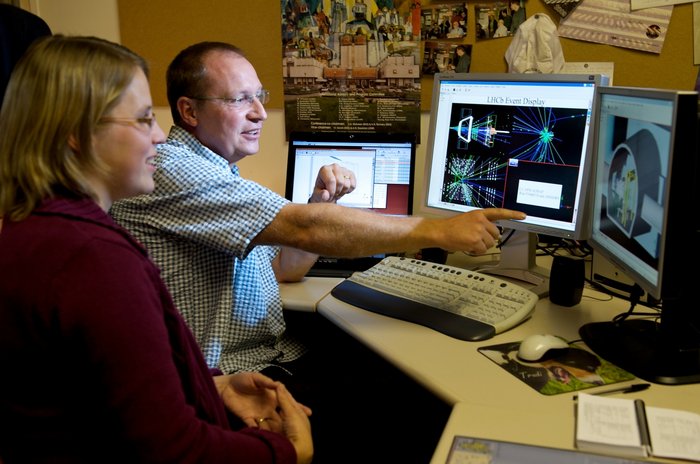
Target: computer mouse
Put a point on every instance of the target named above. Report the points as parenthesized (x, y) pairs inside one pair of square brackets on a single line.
[(535, 347)]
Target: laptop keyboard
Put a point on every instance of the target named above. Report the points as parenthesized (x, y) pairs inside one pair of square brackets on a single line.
[(340, 267)]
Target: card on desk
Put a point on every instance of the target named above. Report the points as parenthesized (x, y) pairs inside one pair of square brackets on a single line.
[(627, 427), (468, 450), (570, 370)]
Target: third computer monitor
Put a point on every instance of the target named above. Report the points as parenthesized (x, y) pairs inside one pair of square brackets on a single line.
[(644, 220)]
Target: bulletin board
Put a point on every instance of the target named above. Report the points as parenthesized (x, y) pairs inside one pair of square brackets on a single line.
[(159, 29)]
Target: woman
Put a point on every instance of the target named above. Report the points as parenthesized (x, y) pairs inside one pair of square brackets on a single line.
[(98, 366)]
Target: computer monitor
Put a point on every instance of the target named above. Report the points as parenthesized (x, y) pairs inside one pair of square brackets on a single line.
[(645, 221), (384, 167), (518, 141)]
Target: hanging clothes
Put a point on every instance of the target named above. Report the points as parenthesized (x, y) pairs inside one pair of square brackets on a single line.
[(535, 47)]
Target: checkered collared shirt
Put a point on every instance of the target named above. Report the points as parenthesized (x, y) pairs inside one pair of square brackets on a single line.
[(198, 225)]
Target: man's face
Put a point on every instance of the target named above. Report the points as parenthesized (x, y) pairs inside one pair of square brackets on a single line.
[(231, 132)]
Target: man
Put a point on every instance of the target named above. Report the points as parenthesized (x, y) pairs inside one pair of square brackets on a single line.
[(212, 234), (518, 15), (208, 228)]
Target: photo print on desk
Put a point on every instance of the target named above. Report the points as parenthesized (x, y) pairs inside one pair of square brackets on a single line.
[(570, 370)]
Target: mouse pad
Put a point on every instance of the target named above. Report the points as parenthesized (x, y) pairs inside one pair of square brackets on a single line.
[(567, 370)]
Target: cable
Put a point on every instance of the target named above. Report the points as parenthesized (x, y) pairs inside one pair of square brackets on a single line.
[(505, 240), (601, 287)]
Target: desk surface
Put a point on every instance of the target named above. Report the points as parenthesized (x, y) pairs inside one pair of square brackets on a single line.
[(488, 401), (305, 295)]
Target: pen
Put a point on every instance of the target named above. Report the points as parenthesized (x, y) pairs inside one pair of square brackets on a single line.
[(637, 387)]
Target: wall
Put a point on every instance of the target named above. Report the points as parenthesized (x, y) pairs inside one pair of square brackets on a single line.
[(159, 28), (100, 18), (83, 17), (258, 31)]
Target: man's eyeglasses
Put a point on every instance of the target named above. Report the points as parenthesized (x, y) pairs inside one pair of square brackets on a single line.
[(243, 101), (139, 123)]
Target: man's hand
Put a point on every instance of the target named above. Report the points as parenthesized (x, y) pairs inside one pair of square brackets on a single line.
[(333, 181), (475, 231)]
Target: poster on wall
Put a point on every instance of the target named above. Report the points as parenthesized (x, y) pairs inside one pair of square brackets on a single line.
[(612, 22), (351, 65)]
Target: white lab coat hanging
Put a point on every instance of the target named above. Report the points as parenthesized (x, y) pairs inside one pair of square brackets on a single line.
[(535, 47)]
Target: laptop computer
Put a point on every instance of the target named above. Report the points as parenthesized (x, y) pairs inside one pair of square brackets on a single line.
[(384, 166)]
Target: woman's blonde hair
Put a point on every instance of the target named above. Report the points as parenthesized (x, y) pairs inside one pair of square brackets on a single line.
[(56, 96)]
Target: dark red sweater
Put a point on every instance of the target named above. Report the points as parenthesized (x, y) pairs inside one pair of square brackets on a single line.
[(96, 364)]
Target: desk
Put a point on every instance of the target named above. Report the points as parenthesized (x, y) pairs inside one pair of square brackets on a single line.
[(489, 402), (305, 295)]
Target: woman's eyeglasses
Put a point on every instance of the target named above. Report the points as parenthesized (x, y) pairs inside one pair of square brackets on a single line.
[(146, 122)]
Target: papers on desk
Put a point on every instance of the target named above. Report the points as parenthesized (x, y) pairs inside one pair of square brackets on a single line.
[(568, 370), (626, 427)]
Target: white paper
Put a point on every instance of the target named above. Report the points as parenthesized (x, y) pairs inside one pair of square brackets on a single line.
[(590, 67), (608, 421), (641, 4), (611, 425), (674, 434)]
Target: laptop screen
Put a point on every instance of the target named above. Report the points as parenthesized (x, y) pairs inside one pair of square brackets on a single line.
[(383, 165)]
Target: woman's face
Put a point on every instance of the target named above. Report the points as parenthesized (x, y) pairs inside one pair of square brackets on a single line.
[(125, 141)]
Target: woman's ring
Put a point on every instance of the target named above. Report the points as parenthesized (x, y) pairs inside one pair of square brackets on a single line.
[(260, 420)]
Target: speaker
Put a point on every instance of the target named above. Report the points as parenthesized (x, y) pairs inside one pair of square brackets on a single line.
[(434, 255), (566, 280)]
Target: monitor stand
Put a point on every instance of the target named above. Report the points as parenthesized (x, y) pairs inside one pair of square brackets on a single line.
[(640, 347), (518, 261)]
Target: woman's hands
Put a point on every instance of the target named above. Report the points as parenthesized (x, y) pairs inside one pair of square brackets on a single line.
[(264, 403)]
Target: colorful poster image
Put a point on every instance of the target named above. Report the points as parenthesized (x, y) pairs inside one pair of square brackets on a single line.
[(351, 65)]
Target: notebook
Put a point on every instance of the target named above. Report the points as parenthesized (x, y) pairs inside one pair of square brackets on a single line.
[(384, 166)]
